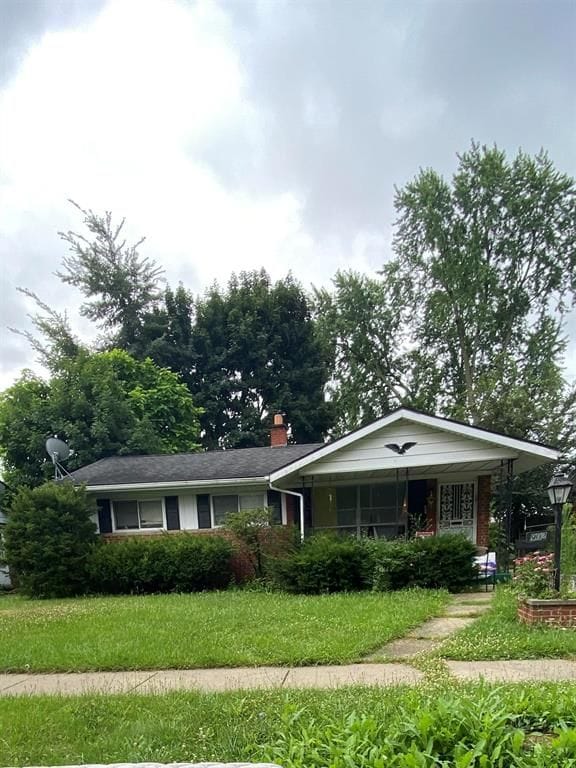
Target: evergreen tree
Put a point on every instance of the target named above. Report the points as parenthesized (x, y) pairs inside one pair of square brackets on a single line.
[(256, 353)]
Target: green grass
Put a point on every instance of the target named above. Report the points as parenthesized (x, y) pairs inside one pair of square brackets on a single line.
[(217, 629), (499, 635), (466, 726)]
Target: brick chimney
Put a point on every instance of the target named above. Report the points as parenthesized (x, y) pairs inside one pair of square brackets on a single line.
[(278, 432)]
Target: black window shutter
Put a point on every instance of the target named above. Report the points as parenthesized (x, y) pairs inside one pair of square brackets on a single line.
[(203, 506), (172, 513), (275, 504), (104, 515)]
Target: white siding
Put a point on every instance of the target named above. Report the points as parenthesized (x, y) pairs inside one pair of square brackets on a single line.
[(433, 447)]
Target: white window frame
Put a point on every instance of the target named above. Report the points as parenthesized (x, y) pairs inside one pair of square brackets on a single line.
[(139, 529), (474, 483), (264, 504)]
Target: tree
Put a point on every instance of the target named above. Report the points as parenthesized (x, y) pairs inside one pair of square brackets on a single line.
[(366, 328), (120, 285), (467, 319), (488, 267), (165, 334), (48, 538), (103, 404), (257, 352), (57, 341)]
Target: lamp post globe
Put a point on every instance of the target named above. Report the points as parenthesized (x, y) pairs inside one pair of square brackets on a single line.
[(558, 489)]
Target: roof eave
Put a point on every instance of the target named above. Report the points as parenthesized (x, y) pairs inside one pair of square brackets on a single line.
[(234, 481)]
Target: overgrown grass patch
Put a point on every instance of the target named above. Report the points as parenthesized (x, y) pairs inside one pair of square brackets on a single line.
[(499, 635), (221, 629), (463, 726)]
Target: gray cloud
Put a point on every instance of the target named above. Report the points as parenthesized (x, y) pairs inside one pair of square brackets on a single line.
[(23, 22), (353, 97), (344, 99)]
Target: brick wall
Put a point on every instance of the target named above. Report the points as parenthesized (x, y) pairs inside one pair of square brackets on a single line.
[(483, 510), (560, 613)]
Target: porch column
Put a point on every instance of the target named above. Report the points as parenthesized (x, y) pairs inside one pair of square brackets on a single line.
[(431, 497), (483, 509)]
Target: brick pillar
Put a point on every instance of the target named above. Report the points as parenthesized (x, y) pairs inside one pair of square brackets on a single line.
[(483, 509)]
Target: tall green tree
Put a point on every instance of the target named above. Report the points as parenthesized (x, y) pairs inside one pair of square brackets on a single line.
[(366, 327), (487, 264), (103, 404), (257, 352), (467, 318), (120, 285), (165, 334)]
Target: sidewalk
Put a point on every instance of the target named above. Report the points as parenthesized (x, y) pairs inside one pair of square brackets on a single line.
[(212, 680)]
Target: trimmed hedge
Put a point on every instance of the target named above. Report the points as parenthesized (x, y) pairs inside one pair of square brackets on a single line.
[(166, 563), (324, 563), (437, 562)]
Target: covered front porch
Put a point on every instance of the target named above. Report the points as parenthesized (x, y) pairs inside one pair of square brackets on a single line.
[(402, 507), (408, 474)]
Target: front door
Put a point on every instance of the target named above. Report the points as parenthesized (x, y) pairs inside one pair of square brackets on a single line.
[(457, 509)]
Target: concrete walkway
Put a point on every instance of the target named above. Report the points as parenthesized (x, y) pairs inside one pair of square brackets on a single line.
[(462, 611), (214, 680)]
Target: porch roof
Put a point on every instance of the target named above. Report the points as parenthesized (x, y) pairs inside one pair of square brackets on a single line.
[(422, 444)]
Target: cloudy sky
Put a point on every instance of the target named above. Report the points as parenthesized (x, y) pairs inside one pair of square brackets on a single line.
[(240, 133)]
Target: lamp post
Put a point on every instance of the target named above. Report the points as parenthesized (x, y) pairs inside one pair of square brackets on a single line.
[(558, 491)]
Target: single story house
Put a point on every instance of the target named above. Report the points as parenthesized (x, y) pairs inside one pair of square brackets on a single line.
[(408, 471)]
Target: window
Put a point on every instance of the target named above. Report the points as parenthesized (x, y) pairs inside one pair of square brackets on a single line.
[(374, 510), (133, 515), (222, 506)]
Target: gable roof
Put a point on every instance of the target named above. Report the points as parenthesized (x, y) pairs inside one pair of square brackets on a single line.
[(267, 464), (543, 453), (190, 467)]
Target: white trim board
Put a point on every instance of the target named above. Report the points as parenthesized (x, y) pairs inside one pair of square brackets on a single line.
[(179, 485)]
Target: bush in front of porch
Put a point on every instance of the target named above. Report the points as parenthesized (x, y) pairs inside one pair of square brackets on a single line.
[(329, 563), (445, 562)]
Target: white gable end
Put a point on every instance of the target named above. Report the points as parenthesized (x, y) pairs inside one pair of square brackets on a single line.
[(440, 443), (432, 447)]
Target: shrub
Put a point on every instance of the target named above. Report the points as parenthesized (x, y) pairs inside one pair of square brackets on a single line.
[(48, 539), (166, 563), (324, 563), (534, 574), (445, 562), (259, 537)]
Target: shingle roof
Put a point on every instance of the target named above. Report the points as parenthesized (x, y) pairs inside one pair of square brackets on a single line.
[(211, 465)]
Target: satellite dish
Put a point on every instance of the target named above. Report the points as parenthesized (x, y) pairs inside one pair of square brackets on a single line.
[(57, 449)]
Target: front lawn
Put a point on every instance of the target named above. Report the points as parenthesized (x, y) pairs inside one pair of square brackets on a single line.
[(465, 726), (212, 629), (499, 635)]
